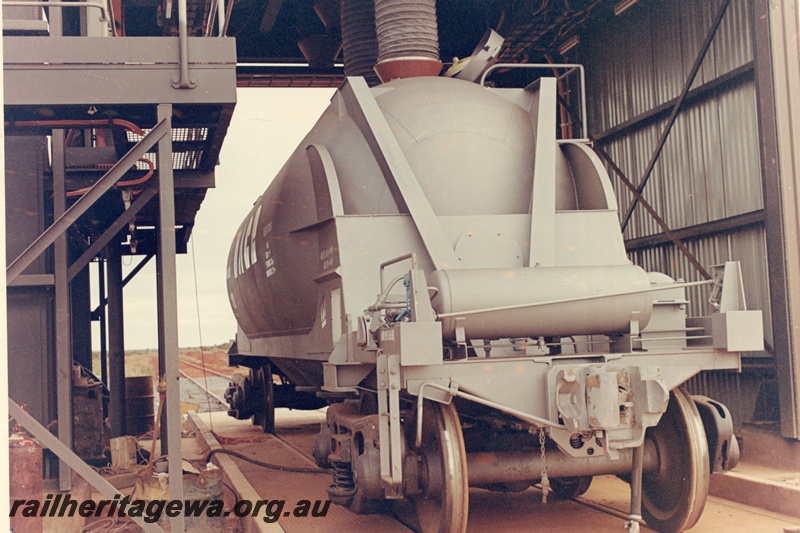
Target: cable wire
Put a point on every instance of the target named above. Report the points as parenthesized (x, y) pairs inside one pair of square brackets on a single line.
[(264, 464), (200, 332)]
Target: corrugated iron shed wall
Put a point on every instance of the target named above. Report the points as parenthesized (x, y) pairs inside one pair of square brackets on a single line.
[(710, 166)]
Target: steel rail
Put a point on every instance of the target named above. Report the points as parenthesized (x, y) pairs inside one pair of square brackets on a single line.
[(205, 389), (220, 374)]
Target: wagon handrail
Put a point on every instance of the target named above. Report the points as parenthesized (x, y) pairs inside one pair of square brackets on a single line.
[(549, 66)]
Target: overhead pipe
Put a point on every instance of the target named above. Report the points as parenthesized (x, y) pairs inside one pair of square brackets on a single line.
[(184, 81), (130, 126), (128, 183), (359, 40), (408, 39)]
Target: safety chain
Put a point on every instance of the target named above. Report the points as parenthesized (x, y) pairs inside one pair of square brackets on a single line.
[(545, 481)]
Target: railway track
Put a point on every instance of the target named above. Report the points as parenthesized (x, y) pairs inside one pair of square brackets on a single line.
[(205, 369), (205, 390), (300, 441), (604, 506)]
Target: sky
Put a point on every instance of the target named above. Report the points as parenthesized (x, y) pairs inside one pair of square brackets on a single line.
[(267, 125)]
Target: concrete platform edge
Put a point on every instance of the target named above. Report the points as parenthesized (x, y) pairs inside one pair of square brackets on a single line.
[(233, 476), (756, 492)]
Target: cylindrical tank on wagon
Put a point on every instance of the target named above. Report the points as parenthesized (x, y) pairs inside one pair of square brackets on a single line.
[(495, 303), (470, 149)]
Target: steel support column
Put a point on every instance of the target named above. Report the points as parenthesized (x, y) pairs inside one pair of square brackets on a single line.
[(116, 342), (63, 322), (101, 318), (780, 223), (168, 317), (56, 25)]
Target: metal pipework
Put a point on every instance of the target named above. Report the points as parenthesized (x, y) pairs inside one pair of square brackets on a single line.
[(453, 391), (505, 467)]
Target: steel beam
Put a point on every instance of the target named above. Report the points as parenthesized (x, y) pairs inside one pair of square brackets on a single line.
[(33, 280), (139, 266), (653, 213), (725, 82), (699, 231), (83, 204), (543, 196), (97, 246), (54, 14), (698, 62), (114, 72), (63, 321), (168, 318), (184, 179), (49, 441), (116, 341)]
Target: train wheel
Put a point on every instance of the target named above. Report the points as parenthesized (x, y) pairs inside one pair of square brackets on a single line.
[(256, 389), (267, 399), (673, 496), (442, 506), (570, 487)]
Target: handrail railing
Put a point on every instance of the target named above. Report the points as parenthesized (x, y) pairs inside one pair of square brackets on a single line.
[(549, 66), (85, 4)]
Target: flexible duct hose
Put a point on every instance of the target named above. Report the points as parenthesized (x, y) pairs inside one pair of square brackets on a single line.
[(406, 28), (359, 40)]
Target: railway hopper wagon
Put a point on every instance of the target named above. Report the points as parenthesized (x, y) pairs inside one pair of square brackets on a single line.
[(449, 276)]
